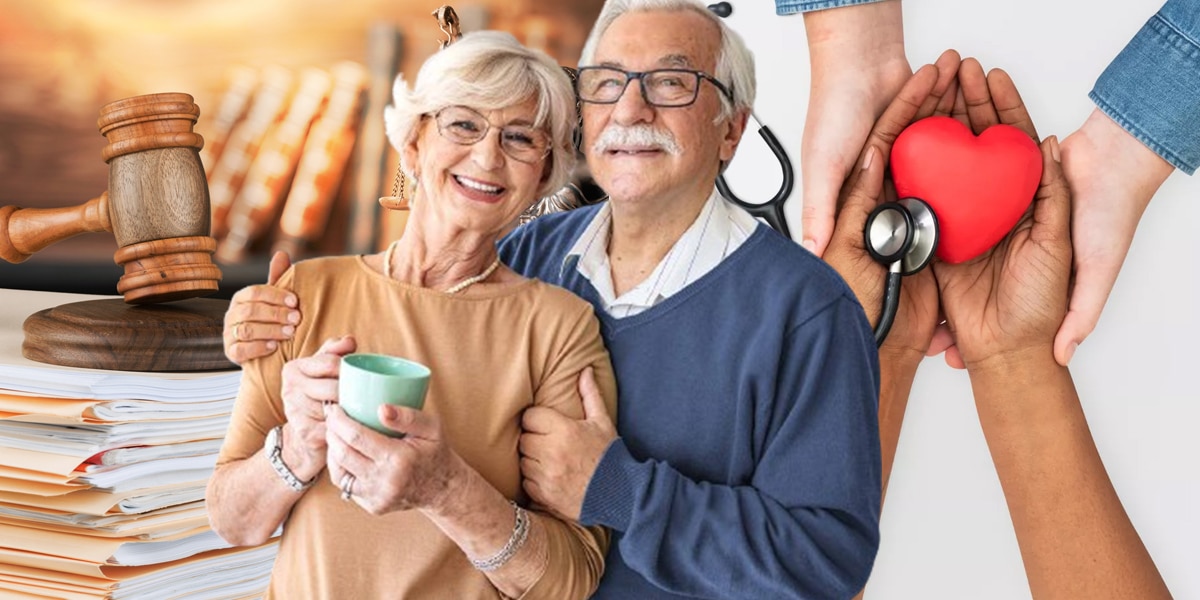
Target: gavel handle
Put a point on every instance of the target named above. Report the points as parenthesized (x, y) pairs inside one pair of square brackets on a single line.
[(25, 231)]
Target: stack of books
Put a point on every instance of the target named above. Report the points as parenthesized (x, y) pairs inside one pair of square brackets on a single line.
[(102, 478)]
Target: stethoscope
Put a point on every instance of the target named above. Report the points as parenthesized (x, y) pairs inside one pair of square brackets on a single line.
[(770, 211), (902, 236)]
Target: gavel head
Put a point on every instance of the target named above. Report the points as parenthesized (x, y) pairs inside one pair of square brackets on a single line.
[(158, 199)]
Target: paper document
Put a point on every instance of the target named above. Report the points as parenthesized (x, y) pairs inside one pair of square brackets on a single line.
[(114, 551), (233, 566), (158, 523), (154, 529), (136, 454), (93, 502), (76, 383), (118, 477), (93, 438)]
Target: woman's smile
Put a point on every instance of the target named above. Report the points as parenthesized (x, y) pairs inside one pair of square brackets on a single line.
[(475, 189)]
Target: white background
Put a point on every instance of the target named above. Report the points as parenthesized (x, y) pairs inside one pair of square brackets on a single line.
[(945, 527)]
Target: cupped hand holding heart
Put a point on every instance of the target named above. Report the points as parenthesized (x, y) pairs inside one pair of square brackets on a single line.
[(978, 186)]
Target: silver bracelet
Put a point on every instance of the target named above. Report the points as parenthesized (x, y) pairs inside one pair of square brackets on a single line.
[(515, 541)]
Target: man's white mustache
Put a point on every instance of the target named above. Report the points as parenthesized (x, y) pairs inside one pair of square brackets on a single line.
[(642, 136)]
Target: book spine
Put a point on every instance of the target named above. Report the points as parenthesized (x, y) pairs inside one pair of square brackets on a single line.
[(269, 176), (244, 141), (232, 109), (324, 162)]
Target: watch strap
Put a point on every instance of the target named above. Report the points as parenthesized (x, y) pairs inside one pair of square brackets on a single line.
[(274, 450)]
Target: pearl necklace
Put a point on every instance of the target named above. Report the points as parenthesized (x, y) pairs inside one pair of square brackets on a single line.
[(454, 289)]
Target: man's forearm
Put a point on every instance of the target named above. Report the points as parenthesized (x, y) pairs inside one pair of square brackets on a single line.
[(1076, 540)]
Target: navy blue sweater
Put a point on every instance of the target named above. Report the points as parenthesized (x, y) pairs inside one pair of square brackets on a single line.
[(748, 464)]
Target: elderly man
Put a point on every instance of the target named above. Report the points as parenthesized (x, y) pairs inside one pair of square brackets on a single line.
[(748, 460)]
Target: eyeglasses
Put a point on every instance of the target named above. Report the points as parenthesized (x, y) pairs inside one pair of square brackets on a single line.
[(660, 87), (466, 126)]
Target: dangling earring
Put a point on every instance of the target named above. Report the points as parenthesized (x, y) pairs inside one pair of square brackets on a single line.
[(397, 201)]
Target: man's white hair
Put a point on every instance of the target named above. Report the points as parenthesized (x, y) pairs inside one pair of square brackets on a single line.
[(490, 70), (735, 62)]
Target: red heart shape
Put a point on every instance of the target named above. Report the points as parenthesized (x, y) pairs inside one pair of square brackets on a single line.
[(977, 186)]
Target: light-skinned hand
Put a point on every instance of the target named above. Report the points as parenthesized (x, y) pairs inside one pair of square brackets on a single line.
[(559, 454), (857, 66), (309, 385), (260, 316), (392, 474), (1112, 176)]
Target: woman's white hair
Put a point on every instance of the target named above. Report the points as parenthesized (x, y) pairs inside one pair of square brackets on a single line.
[(735, 61), (490, 70)]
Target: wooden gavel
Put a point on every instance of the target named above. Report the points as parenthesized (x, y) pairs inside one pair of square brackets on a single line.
[(156, 205)]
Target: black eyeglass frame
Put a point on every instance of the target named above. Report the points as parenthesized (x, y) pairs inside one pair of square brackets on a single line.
[(631, 75)]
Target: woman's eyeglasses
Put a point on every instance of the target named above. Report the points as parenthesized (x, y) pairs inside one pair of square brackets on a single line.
[(466, 126)]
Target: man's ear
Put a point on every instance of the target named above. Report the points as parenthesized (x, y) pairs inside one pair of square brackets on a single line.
[(735, 128)]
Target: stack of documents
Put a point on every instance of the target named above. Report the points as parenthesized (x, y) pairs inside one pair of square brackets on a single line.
[(102, 479)]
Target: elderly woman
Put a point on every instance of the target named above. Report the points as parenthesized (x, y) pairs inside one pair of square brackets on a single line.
[(439, 512)]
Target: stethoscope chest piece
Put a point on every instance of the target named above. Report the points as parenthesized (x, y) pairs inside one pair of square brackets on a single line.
[(902, 236), (905, 231)]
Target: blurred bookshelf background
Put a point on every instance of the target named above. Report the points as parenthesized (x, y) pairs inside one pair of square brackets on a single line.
[(291, 94)]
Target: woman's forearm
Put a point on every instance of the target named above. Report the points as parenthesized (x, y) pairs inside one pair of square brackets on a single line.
[(481, 521), (1075, 538), (247, 501)]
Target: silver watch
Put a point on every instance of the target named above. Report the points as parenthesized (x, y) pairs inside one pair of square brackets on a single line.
[(273, 447)]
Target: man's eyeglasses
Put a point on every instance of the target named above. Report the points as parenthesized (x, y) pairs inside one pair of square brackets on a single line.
[(660, 87), (466, 126)]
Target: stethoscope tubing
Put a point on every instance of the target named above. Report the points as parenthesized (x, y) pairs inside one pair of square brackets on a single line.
[(770, 211), (891, 303)]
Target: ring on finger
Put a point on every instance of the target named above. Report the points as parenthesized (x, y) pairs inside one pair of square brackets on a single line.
[(347, 486), (237, 330)]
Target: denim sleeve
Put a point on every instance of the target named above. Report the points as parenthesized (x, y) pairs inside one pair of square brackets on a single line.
[(788, 7), (1152, 88)]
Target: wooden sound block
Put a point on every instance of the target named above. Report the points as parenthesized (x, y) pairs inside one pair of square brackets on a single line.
[(110, 334)]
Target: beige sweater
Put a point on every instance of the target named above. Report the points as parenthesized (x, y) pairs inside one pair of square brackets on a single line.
[(494, 352)]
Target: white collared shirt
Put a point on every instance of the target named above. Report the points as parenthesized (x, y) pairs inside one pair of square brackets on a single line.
[(717, 231)]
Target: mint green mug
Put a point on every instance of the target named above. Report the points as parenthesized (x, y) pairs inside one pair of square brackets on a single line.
[(367, 381)]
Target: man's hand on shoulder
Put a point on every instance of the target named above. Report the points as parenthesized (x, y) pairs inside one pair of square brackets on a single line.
[(260, 316)]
